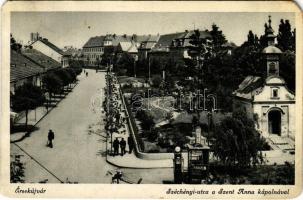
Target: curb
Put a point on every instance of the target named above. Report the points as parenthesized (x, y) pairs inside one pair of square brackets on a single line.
[(135, 167)]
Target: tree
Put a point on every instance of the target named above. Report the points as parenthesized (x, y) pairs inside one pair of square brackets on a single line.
[(218, 37), (146, 119), (27, 97), (252, 40), (285, 36), (157, 80), (14, 45), (236, 141), (65, 77), (288, 68), (52, 83), (125, 61)]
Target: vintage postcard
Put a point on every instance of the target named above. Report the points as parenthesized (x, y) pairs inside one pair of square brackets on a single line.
[(151, 99)]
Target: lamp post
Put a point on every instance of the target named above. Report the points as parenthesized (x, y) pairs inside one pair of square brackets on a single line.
[(178, 165)]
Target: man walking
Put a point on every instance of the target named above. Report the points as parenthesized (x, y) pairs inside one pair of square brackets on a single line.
[(116, 146), (122, 146), (130, 143), (51, 136)]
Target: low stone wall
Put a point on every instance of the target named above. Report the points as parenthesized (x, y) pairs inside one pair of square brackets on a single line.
[(138, 152)]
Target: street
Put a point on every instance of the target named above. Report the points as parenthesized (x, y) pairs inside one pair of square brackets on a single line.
[(79, 145)]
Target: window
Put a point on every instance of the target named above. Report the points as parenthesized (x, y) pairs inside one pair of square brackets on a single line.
[(275, 93)]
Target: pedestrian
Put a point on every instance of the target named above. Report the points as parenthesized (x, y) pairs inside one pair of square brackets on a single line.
[(51, 136), (116, 146), (86, 74), (122, 146), (130, 144), (117, 177), (117, 116)]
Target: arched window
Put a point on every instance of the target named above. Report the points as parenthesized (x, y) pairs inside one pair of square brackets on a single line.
[(272, 68)]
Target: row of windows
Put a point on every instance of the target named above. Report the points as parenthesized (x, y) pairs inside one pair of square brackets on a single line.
[(93, 56), (94, 49)]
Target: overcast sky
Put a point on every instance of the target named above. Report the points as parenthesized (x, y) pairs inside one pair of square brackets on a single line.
[(75, 28)]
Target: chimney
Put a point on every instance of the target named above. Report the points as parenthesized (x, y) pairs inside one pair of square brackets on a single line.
[(34, 37)]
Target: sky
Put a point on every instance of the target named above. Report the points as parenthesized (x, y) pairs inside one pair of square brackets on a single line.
[(75, 28)]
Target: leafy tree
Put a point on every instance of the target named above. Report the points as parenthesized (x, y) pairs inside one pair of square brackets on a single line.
[(125, 61), (157, 80), (252, 40), (14, 45), (288, 69), (27, 97), (146, 119), (64, 76), (236, 141), (52, 83), (285, 36), (76, 65), (218, 37)]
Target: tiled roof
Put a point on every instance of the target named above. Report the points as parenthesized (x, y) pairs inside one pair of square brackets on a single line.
[(166, 40), (128, 47), (52, 46), (94, 42), (22, 67), (249, 87), (153, 38), (119, 38), (41, 59)]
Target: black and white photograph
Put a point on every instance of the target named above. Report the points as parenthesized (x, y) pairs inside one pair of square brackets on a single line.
[(188, 98)]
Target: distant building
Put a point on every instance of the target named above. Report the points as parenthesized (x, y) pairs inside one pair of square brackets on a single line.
[(45, 62), (49, 49), (268, 101), (73, 53), (110, 44), (93, 50), (127, 47), (146, 45)]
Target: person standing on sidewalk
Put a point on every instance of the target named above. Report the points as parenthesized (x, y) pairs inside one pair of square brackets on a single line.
[(51, 136), (130, 144), (122, 146), (116, 146)]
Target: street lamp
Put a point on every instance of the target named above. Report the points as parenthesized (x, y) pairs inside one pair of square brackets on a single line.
[(204, 99)]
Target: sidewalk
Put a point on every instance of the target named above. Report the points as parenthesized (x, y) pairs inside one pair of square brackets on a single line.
[(34, 117)]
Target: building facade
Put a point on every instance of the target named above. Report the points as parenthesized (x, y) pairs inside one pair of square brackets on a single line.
[(93, 51), (268, 101), (46, 47)]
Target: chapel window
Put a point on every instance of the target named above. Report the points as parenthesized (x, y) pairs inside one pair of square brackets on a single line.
[(275, 93)]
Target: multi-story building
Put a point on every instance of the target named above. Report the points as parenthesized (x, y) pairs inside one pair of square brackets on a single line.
[(93, 50), (46, 47)]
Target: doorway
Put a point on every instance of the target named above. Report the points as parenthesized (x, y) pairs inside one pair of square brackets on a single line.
[(274, 122)]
